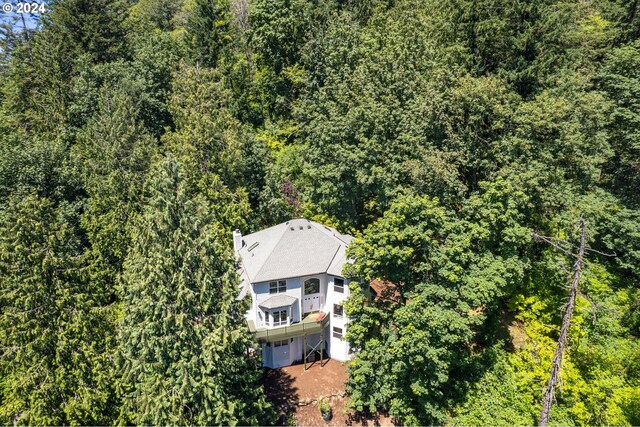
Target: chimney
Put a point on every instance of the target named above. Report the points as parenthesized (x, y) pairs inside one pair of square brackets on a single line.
[(237, 240)]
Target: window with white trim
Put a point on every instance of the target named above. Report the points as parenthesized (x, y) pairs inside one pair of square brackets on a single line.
[(280, 343), (280, 318), (338, 285), (312, 286), (337, 332), (338, 311), (278, 286)]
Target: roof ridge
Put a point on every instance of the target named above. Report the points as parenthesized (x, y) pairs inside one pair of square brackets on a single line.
[(283, 229), (333, 257)]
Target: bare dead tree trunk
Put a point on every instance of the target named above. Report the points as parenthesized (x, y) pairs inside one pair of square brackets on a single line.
[(240, 9), (566, 323)]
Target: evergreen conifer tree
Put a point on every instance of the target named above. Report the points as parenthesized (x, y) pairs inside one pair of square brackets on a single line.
[(187, 353), (209, 31), (211, 144), (115, 154), (55, 327)]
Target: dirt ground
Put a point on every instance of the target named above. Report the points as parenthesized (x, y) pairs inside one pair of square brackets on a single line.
[(295, 392)]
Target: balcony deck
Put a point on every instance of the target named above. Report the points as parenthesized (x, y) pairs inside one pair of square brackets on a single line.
[(309, 325)]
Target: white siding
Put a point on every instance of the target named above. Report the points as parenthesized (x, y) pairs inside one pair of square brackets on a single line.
[(339, 347), (261, 292)]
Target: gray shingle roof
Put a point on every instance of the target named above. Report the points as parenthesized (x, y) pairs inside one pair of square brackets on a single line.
[(278, 301), (294, 248), (244, 284)]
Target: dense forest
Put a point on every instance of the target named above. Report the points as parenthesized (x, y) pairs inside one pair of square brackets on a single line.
[(136, 135)]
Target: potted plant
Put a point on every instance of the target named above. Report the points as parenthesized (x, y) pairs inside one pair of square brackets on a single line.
[(325, 409), (291, 419)]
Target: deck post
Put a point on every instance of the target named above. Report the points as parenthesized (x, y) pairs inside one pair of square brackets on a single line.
[(321, 346), (305, 352)]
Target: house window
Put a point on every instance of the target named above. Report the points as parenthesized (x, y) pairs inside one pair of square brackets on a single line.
[(266, 317), (338, 285), (312, 286), (279, 343), (280, 317), (277, 286), (337, 332), (338, 310)]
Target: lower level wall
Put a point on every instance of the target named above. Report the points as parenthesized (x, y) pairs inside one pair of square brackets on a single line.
[(339, 349), (279, 355)]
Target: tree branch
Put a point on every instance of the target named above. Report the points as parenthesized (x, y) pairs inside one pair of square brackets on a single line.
[(564, 331)]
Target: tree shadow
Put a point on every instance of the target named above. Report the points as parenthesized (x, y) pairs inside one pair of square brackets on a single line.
[(505, 330), (494, 336), (281, 393), (364, 419), (314, 359)]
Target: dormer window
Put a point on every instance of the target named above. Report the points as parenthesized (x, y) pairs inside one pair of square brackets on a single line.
[(277, 286), (338, 285)]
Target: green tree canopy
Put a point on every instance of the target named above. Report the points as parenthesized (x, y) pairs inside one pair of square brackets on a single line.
[(187, 353), (55, 325)]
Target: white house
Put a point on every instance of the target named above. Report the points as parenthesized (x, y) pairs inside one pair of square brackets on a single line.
[(293, 272)]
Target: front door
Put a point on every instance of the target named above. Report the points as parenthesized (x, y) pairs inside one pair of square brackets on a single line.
[(310, 303), (280, 352)]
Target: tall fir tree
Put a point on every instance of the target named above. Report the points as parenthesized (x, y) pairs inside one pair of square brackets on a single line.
[(91, 27), (114, 155), (74, 32), (209, 31), (620, 78), (55, 328), (188, 357), (213, 146)]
